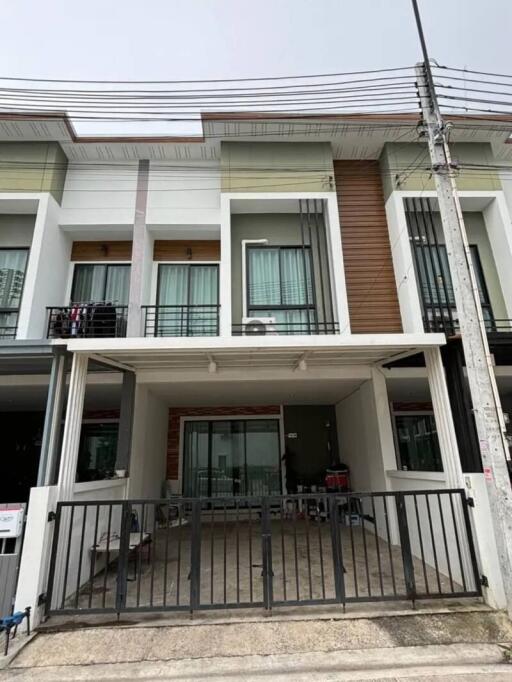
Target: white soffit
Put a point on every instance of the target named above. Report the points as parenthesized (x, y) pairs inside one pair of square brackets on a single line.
[(247, 353)]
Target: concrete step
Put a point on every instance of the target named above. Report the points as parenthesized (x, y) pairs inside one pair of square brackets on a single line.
[(336, 649), (439, 663)]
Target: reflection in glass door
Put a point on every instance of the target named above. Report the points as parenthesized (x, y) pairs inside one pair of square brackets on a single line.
[(231, 457)]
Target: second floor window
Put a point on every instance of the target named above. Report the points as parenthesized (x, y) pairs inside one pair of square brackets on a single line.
[(279, 285), (13, 263), (99, 283), (187, 299), (436, 286)]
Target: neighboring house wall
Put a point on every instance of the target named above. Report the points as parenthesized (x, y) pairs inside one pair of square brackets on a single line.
[(176, 413), (369, 274), (477, 234), (33, 167), (276, 167), (16, 230), (406, 166)]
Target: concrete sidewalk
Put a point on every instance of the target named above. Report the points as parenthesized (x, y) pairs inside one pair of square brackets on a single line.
[(424, 646)]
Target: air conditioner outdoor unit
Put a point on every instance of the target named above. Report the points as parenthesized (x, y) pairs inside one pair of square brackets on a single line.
[(258, 326)]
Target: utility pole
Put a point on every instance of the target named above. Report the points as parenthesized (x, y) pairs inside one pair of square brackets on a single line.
[(482, 383)]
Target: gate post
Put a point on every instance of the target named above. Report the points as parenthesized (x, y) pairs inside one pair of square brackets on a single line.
[(337, 551), (53, 561), (405, 545), (266, 553), (122, 560), (195, 556)]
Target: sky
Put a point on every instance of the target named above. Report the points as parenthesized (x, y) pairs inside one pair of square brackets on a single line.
[(215, 39)]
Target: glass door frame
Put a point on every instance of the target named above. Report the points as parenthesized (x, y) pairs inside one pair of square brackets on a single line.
[(107, 264), (187, 306), (278, 417)]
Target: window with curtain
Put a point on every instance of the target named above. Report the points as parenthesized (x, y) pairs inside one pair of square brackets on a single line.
[(187, 298), (435, 279), (279, 285), (13, 263), (100, 282), (417, 442)]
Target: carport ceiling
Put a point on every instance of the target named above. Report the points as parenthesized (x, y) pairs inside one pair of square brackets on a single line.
[(243, 358), (254, 392)]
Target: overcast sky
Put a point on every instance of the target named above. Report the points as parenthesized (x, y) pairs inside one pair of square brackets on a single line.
[(195, 39)]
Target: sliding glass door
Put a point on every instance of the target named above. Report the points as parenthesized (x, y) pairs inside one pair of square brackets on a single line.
[(231, 457), (100, 283), (188, 297)]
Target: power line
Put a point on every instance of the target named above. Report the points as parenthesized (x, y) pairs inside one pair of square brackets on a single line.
[(210, 80), (478, 73)]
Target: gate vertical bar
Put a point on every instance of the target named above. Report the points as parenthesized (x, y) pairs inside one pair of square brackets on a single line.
[(122, 561), (405, 544), (337, 552), (195, 556), (266, 552)]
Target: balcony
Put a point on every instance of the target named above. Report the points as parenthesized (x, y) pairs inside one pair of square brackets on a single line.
[(87, 320), (8, 323), (296, 324), (181, 320), (444, 318)]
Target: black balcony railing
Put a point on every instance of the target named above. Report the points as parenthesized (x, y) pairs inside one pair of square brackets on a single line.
[(89, 320), (285, 328), (181, 320), (444, 318)]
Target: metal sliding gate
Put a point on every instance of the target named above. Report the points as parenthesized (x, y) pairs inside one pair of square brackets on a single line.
[(239, 552)]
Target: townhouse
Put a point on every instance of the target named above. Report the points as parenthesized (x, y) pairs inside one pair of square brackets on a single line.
[(242, 315)]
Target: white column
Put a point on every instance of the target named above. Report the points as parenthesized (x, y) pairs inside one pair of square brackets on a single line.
[(72, 427), (444, 418), (403, 265), (337, 268), (35, 558), (382, 448), (141, 254), (225, 267), (53, 419)]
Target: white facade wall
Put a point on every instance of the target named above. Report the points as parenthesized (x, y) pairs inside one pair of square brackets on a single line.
[(99, 194), (184, 195), (47, 270)]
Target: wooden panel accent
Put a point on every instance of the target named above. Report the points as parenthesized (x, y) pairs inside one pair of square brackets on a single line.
[(183, 250), (370, 278), (101, 251)]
